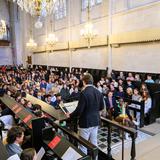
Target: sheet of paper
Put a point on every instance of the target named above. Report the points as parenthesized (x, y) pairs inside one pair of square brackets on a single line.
[(40, 154), (71, 154), (71, 106), (14, 157)]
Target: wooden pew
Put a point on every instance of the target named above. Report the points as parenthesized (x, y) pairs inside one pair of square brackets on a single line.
[(55, 113), (20, 111)]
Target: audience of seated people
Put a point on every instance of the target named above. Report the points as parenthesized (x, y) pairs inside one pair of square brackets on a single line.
[(54, 87), (66, 84)]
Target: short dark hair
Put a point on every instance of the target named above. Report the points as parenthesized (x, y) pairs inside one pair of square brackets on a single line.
[(58, 95), (87, 78), (13, 133), (28, 154)]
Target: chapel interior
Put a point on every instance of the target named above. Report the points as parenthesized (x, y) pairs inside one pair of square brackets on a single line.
[(48, 48)]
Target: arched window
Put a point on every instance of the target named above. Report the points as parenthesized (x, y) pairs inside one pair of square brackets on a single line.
[(60, 9), (92, 3)]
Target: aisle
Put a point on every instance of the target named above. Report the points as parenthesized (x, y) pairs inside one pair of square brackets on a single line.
[(116, 144)]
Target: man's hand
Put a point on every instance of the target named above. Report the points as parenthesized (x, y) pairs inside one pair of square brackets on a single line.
[(68, 115)]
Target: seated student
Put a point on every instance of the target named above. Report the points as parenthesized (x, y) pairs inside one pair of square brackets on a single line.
[(71, 89), (129, 84), (102, 81), (56, 101), (49, 86), (14, 139), (121, 76), (105, 89), (130, 77), (158, 80), (28, 105), (147, 106), (122, 114), (149, 79), (111, 104), (65, 93), (75, 94), (40, 96), (137, 77), (120, 92), (48, 99), (129, 93), (21, 101), (115, 83), (113, 89), (136, 97), (28, 154), (143, 88), (99, 87), (43, 84), (31, 92)]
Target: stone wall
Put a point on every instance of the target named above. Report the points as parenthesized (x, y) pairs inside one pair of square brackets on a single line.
[(5, 52)]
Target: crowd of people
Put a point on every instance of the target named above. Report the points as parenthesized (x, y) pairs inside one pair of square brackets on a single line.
[(123, 88), (53, 87)]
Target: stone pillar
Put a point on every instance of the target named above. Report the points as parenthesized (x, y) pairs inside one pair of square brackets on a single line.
[(109, 33), (14, 20)]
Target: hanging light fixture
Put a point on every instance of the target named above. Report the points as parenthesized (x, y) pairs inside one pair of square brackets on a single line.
[(31, 44), (39, 8), (3, 28), (88, 33), (36, 7), (51, 39), (38, 24)]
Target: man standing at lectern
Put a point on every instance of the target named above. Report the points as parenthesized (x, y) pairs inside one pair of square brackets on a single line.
[(88, 111)]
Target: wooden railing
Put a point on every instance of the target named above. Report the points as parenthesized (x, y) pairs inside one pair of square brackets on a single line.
[(132, 132)]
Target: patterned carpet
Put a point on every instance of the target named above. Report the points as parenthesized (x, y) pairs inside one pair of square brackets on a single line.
[(116, 144)]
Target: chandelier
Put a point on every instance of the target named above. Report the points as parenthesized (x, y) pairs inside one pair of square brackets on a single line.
[(31, 44), (3, 28), (88, 33), (36, 7), (51, 40)]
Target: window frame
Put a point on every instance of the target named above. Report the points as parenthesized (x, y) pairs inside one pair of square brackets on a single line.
[(61, 12), (95, 4)]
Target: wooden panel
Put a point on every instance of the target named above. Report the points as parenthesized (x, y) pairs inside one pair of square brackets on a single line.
[(82, 43), (139, 36), (58, 46), (4, 43)]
